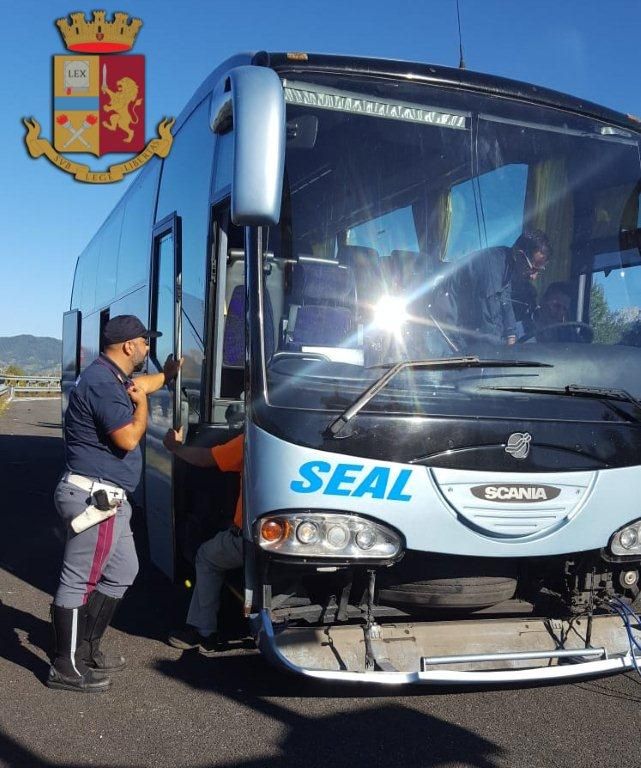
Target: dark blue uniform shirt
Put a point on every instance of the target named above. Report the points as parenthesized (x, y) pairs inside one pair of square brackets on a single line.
[(98, 405), (483, 293)]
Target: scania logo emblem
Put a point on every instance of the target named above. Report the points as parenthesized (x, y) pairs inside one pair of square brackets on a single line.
[(516, 492), (518, 444)]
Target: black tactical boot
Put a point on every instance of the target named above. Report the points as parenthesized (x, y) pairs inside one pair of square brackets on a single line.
[(68, 671), (99, 611)]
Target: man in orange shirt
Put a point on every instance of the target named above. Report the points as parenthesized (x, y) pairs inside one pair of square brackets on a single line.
[(215, 556)]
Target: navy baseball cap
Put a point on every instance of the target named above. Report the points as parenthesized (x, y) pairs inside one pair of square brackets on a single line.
[(124, 328)]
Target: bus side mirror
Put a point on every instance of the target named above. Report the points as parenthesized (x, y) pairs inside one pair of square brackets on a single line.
[(252, 105)]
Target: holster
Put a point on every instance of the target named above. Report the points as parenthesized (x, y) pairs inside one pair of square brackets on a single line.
[(92, 514)]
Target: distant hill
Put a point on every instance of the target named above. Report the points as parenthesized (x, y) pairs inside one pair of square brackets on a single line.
[(34, 354)]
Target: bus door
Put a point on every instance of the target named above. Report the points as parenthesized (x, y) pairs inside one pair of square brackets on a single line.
[(165, 405)]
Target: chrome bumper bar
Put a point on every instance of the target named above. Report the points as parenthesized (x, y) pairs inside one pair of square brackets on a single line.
[(590, 667)]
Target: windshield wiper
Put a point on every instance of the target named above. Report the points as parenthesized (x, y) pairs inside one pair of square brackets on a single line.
[(444, 363), (577, 390)]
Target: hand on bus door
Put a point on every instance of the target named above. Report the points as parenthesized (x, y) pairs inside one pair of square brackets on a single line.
[(171, 368), (173, 439)]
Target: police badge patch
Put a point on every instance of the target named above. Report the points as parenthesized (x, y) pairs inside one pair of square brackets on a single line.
[(99, 99)]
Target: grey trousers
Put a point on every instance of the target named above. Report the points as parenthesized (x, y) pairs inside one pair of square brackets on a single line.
[(214, 557), (103, 557)]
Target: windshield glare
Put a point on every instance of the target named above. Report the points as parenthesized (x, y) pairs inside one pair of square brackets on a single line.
[(419, 223)]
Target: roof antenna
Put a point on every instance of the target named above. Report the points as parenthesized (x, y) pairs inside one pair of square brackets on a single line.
[(461, 64)]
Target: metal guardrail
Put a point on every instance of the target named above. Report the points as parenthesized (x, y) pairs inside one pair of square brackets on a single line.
[(16, 386)]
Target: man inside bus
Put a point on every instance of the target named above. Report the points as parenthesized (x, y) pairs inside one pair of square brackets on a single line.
[(553, 317), (531, 253), (217, 555), (554, 308), (494, 290)]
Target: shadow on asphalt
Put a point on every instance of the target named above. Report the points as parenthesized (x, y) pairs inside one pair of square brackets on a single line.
[(248, 675), (599, 688), (16, 625), (387, 735), (30, 466)]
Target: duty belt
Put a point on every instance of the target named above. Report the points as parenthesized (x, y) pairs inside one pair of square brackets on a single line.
[(89, 485)]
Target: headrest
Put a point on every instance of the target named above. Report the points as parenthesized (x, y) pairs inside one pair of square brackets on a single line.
[(234, 335), (357, 255), (322, 281), (322, 326), (404, 259)]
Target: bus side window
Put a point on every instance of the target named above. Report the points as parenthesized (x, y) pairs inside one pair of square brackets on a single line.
[(184, 189), (232, 378), (228, 314)]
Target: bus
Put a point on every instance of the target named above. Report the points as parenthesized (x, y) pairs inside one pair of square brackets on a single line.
[(424, 502)]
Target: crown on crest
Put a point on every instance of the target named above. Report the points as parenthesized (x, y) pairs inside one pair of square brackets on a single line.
[(99, 35)]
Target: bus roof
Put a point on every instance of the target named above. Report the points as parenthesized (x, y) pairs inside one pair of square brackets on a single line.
[(462, 79), (491, 85)]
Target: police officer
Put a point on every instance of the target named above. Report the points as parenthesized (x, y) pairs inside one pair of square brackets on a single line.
[(105, 421)]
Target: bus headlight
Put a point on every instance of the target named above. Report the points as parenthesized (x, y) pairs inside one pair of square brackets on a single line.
[(331, 535), (626, 542)]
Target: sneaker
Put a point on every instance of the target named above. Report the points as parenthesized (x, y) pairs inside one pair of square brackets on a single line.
[(190, 637)]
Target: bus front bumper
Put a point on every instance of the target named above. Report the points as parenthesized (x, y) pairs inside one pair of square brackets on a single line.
[(470, 652)]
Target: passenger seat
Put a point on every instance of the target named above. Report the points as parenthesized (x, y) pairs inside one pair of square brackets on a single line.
[(366, 267), (326, 293)]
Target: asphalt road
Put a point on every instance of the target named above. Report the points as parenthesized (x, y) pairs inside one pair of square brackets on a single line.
[(180, 709)]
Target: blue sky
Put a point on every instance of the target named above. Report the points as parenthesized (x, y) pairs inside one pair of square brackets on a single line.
[(585, 47)]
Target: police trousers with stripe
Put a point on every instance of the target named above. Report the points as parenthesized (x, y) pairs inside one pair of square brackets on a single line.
[(102, 557)]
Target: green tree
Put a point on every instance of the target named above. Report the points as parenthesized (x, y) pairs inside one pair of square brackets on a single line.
[(14, 370), (607, 329)]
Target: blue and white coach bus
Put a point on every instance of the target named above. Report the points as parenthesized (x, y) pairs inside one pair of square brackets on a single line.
[(424, 502)]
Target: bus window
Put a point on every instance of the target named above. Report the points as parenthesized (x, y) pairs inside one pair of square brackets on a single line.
[(223, 164), (89, 261), (501, 193), (133, 259), (108, 264), (615, 308), (70, 346), (184, 188), (614, 305), (163, 346), (76, 293), (391, 231), (231, 310), (89, 339)]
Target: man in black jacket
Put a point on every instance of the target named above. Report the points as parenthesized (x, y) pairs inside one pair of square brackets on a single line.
[(494, 290)]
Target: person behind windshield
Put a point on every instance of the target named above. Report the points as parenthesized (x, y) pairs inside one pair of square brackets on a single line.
[(494, 290), (530, 254), (555, 305), (553, 317)]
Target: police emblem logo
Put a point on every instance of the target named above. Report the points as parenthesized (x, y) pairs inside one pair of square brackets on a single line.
[(99, 99), (99, 104), (518, 445)]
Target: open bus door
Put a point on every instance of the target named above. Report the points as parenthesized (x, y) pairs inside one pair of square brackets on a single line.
[(165, 407)]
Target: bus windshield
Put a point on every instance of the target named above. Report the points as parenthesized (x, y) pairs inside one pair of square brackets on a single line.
[(420, 223)]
